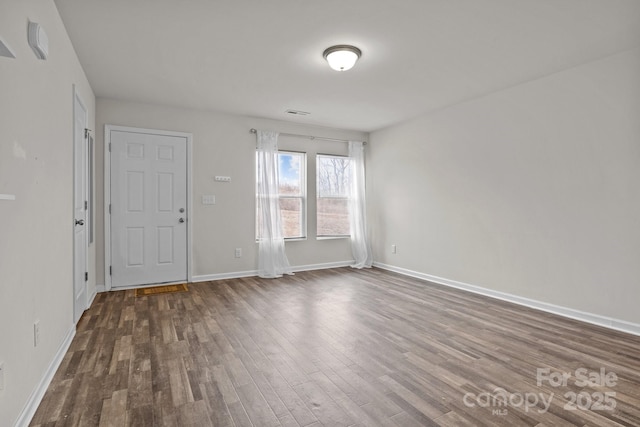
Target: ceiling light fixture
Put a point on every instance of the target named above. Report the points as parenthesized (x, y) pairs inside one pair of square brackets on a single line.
[(342, 57)]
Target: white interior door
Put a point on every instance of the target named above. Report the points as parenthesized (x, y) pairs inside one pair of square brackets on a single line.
[(80, 179), (148, 208)]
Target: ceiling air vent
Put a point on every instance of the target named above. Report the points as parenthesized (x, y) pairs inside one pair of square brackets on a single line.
[(297, 112)]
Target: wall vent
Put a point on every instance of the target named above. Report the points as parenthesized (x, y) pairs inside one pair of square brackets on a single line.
[(297, 112)]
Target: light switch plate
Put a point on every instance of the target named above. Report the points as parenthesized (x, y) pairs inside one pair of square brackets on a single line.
[(208, 199)]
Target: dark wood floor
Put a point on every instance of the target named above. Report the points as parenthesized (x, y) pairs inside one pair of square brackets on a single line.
[(336, 347)]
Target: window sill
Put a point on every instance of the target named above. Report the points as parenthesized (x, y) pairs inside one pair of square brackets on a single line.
[(291, 239), (332, 237)]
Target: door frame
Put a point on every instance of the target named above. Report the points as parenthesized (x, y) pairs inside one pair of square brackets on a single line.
[(107, 195), (81, 178)]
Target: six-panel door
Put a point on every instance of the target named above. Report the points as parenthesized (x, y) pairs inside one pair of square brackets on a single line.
[(148, 208)]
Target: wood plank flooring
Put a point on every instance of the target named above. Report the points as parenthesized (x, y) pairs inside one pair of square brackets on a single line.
[(337, 347)]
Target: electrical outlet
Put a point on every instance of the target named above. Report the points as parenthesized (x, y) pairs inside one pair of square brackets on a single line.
[(1, 375), (36, 333), (393, 249), (222, 178), (238, 252)]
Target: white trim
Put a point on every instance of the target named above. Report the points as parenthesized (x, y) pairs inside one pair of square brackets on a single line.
[(92, 297), (38, 392), (150, 285), (595, 319), (107, 194), (345, 236), (85, 184), (107, 201), (190, 211), (100, 287), (323, 266), (223, 276), (253, 273)]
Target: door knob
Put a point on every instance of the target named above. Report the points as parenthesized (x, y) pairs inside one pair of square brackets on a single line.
[(181, 220), (79, 221)]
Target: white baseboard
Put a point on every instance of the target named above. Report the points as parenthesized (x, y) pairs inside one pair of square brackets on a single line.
[(101, 288), (223, 276), (596, 319), (38, 392), (323, 266), (92, 297), (252, 273)]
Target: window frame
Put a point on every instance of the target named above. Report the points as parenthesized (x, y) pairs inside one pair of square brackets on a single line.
[(302, 196), (318, 196)]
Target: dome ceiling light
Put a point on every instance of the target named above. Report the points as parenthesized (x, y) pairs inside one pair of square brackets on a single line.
[(342, 57)]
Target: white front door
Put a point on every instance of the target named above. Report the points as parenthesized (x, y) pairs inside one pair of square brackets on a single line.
[(148, 208), (80, 244)]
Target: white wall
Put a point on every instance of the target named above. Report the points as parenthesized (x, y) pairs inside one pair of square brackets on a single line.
[(532, 191), (222, 145), (36, 164)]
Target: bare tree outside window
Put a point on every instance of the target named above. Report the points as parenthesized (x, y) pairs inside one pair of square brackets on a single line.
[(332, 181)]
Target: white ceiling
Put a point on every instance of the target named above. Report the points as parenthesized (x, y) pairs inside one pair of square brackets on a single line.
[(262, 57)]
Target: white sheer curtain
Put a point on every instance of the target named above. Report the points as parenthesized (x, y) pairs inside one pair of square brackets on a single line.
[(272, 260), (360, 247)]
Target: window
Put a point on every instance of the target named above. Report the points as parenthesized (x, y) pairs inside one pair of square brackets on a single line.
[(292, 175), (292, 194), (332, 186)]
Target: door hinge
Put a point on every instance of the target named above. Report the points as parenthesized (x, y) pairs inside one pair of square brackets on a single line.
[(86, 276), (109, 147), (109, 208), (86, 133), (110, 271), (86, 205)]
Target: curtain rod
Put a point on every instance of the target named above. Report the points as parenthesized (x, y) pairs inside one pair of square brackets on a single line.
[(311, 137)]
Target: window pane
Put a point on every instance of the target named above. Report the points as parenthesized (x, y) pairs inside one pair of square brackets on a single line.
[(332, 183), (333, 176), (291, 174), (291, 192), (291, 212), (333, 217)]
